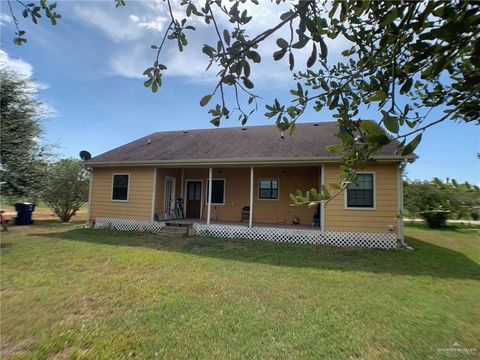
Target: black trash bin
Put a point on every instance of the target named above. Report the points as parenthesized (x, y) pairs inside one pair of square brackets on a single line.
[(24, 213)]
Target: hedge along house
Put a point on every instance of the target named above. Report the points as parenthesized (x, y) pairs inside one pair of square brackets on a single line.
[(235, 182)]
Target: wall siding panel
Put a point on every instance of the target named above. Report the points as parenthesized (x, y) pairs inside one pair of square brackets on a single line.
[(139, 204), (338, 218)]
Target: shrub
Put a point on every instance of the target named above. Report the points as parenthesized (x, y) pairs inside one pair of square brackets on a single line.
[(66, 188), (435, 218)]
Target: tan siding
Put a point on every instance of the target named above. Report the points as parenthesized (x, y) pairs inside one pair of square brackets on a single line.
[(237, 193), (139, 202), (338, 218)]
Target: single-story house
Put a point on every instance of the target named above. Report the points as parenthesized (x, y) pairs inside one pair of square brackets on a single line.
[(235, 182)]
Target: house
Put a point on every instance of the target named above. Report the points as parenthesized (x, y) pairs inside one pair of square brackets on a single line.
[(235, 182)]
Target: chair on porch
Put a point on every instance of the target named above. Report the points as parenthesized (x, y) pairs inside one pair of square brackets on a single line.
[(245, 213)]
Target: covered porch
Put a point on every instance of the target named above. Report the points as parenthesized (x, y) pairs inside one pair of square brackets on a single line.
[(242, 196)]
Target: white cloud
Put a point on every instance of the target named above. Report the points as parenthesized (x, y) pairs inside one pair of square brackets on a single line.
[(120, 27), (19, 66), (134, 18), (156, 24), (25, 71), (131, 28), (5, 19)]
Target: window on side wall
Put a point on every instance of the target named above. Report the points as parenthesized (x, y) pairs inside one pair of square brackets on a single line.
[(268, 189), (361, 194), (120, 185), (218, 192)]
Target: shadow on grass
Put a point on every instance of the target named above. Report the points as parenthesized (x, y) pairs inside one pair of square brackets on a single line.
[(426, 260)]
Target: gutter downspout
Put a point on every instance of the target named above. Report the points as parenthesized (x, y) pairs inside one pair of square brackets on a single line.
[(400, 232)]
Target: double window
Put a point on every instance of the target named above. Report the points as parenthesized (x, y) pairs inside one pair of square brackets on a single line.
[(120, 184), (218, 192), (361, 194), (268, 189)]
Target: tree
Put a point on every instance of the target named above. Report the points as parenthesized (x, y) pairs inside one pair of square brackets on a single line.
[(435, 200), (23, 158), (66, 188), (403, 57)]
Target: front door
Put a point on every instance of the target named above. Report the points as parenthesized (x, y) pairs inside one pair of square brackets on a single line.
[(194, 196)]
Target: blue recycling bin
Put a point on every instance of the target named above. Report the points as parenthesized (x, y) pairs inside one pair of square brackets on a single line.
[(24, 213)]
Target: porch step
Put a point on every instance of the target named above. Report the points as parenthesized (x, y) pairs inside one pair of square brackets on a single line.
[(179, 223), (176, 231)]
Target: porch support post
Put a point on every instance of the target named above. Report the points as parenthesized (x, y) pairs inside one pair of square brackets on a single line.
[(209, 207), (250, 218), (182, 185), (322, 204), (154, 192)]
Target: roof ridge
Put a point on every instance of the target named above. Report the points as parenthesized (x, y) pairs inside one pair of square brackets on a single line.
[(241, 127)]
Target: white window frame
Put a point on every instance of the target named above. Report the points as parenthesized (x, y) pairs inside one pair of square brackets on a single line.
[(174, 189), (224, 190), (128, 188), (374, 193), (278, 189)]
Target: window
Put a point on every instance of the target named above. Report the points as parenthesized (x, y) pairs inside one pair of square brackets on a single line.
[(218, 191), (120, 187), (268, 190), (360, 194)]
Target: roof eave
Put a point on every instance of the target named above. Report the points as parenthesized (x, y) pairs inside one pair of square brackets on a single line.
[(244, 162)]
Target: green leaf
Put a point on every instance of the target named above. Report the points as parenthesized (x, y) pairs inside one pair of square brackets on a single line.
[(215, 121), (412, 145), (301, 43), (344, 136), (371, 127), (205, 100), (226, 36), (380, 95), (378, 140), (323, 48), (334, 102), (391, 123), (406, 86), (390, 16), (313, 56), (255, 56), (277, 55), (148, 83), (282, 43), (248, 84), (336, 148), (335, 186)]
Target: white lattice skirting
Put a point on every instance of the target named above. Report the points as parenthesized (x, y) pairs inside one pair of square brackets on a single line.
[(129, 225), (300, 236)]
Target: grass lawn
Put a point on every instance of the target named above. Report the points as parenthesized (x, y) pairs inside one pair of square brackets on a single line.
[(68, 292)]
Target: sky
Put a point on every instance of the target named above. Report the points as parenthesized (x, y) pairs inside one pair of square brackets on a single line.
[(88, 70)]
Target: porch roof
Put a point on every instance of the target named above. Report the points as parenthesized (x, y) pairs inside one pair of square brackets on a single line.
[(248, 145)]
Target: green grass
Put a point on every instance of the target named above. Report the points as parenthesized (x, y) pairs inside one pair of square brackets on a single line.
[(69, 292)]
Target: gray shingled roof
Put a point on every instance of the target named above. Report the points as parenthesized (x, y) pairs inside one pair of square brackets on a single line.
[(255, 143)]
